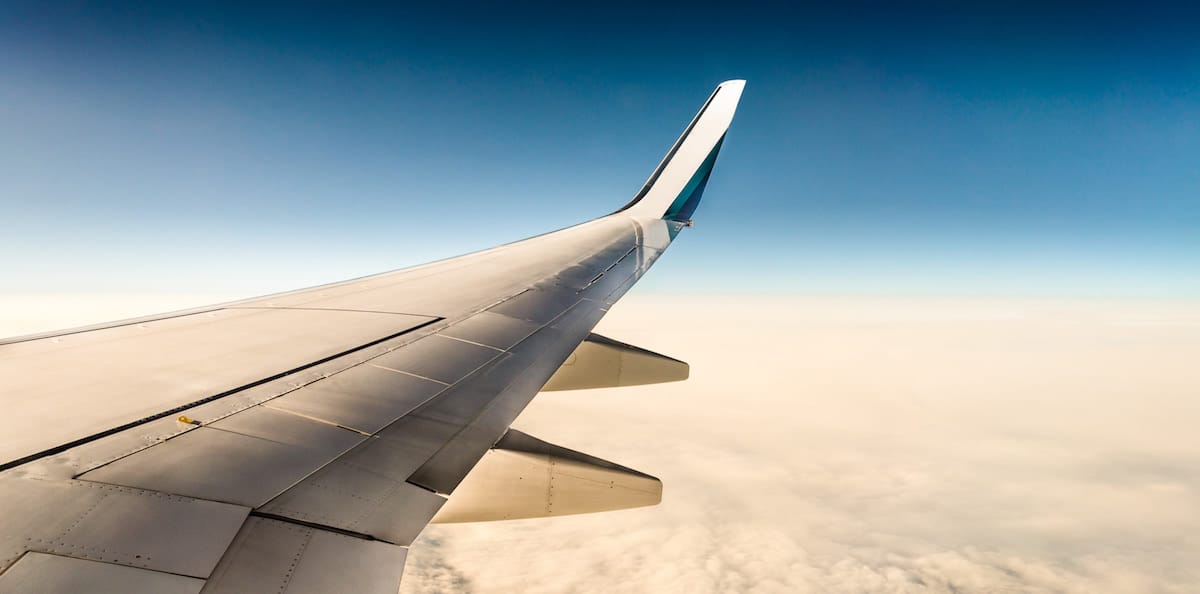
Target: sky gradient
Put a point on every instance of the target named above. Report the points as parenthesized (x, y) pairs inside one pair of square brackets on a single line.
[(1015, 150)]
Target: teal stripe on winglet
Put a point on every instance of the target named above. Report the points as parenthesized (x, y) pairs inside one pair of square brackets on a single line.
[(685, 204)]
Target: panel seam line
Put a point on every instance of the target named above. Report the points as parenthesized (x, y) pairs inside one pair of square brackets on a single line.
[(102, 434)]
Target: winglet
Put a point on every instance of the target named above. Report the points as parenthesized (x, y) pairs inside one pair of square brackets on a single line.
[(675, 187)]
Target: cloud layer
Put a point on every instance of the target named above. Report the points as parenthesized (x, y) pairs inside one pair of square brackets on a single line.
[(886, 445), (873, 445)]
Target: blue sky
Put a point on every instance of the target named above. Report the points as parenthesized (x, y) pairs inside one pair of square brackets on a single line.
[(1014, 150)]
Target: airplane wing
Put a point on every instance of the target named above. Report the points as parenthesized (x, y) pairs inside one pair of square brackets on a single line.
[(299, 442)]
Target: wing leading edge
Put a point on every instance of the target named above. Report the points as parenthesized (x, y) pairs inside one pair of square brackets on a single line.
[(337, 449)]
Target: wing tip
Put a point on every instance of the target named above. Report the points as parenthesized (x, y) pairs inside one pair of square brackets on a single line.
[(676, 195), (733, 86)]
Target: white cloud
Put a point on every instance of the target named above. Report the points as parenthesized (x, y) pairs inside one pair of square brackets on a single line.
[(866, 445)]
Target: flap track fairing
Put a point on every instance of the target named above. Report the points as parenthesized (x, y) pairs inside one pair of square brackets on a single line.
[(601, 362), (525, 477)]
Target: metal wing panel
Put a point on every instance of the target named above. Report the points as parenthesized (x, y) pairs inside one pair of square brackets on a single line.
[(538, 305), (274, 556), (492, 329), (534, 360), (438, 358), (57, 390), (463, 402), (52, 574), (246, 459), (439, 289), (133, 527), (365, 398), (347, 497), (114, 445)]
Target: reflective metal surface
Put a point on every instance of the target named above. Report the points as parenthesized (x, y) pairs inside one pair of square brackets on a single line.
[(51, 574), (534, 360), (245, 459), (359, 500), (492, 329), (538, 305), (114, 524), (466, 399), (439, 358), (275, 556), (366, 398), (81, 384)]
